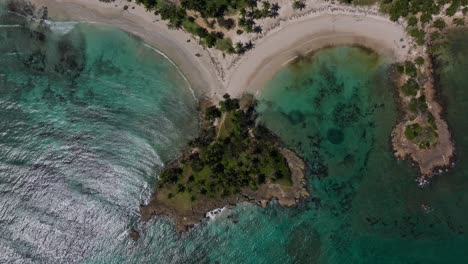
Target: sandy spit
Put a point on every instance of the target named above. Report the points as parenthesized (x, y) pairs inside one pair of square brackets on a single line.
[(211, 74)]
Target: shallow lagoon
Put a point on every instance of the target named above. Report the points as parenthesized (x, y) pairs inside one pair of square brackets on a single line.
[(370, 210)]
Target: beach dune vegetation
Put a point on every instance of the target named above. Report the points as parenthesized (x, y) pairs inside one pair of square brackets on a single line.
[(298, 5), (212, 11)]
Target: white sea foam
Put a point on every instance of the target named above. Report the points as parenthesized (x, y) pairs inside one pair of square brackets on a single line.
[(422, 182), (10, 26), (18, 14), (123, 235), (145, 194), (177, 67), (61, 28), (214, 213)]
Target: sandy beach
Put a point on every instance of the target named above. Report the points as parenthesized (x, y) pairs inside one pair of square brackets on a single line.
[(172, 43), (294, 33), (211, 74), (304, 36)]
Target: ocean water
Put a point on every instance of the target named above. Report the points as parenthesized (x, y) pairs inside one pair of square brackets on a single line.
[(89, 115), (337, 109)]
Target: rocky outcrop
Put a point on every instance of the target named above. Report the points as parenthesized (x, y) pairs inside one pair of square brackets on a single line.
[(285, 195)]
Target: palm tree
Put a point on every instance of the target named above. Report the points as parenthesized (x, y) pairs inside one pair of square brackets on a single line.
[(298, 4), (250, 22), (251, 3), (257, 29), (274, 10), (242, 22), (265, 8), (240, 48), (266, 5), (275, 7), (249, 45), (243, 12), (274, 14)]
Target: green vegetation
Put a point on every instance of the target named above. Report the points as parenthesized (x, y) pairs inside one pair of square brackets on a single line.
[(412, 21), (418, 104), (235, 154), (410, 88), (212, 12), (458, 21), (298, 5), (225, 44), (419, 13), (431, 121), (424, 132), (242, 16), (427, 8), (412, 131), (423, 136), (435, 36), (418, 34), (419, 61), (425, 11), (410, 69), (400, 68), (199, 17), (439, 24), (425, 18)]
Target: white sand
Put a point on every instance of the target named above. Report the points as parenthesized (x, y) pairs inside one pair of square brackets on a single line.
[(173, 43), (303, 36), (284, 38)]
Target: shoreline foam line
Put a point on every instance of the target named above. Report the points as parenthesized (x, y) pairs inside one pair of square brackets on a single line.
[(60, 27), (175, 65), (288, 61), (10, 26), (159, 52)]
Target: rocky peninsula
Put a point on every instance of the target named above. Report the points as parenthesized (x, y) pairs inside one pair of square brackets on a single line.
[(233, 160)]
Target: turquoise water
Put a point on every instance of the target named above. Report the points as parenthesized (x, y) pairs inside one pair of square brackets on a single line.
[(88, 119), (338, 111), (89, 115)]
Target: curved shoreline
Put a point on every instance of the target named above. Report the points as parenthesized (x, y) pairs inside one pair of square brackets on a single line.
[(210, 74), (300, 38), (172, 43), (177, 67)]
